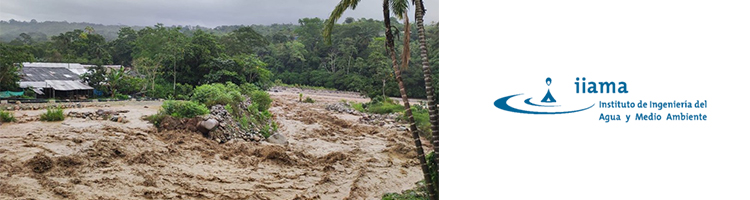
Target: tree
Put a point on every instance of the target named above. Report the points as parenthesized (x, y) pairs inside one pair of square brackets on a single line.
[(162, 44), (149, 68), (11, 58), (96, 77), (398, 9), (431, 97), (335, 15), (122, 48), (244, 41), (113, 79)]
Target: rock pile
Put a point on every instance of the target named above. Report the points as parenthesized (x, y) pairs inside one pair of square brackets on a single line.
[(219, 125), (379, 119), (389, 120), (341, 107), (112, 115)]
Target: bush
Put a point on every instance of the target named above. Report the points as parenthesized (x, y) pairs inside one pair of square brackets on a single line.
[(309, 100), (55, 114), (6, 116), (217, 93), (247, 88), (183, 109), (433, 170), (422, 119), (358, 107), (383, 106), (406, 195), (156, 119), (121, 96), (261, 99)]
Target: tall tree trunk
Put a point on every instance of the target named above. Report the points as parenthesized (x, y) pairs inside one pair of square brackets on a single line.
[(431, 103), (412, 126)]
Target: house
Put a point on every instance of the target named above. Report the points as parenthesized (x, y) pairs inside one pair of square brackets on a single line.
[(55, 80)]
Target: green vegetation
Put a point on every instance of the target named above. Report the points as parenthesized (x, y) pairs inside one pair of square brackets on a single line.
[(261, 100), (52, 114), (156, 118), (217, 93), (422, 119), (168, 62), (183, 109), (382, 105), (9, 70), (309, 100), (358, 107), (178, 109), (406, 195), (433, 168), (6, 116), (278, 82)]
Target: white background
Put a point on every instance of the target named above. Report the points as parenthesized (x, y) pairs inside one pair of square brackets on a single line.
[(664, 50)]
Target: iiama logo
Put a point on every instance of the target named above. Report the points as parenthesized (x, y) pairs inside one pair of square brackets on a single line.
[(546, 107)]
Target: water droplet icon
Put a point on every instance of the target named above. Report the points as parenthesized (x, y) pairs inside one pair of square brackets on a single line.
[(548, 98)]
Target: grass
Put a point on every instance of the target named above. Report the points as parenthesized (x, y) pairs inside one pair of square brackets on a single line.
[(6, 116), (54, 114), (358, 107), (309, 100), (379, 105), (406, 195)]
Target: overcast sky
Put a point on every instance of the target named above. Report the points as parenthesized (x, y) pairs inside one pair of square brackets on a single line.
[(207, 13)]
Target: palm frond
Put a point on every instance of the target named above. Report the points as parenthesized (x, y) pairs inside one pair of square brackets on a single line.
[(399, 7), (335, 15)]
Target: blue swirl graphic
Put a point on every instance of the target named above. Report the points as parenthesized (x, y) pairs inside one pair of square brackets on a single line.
[(502, 103), (528, 101)]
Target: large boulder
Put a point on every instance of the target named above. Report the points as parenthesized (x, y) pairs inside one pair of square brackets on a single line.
[(207, 125), (277, 139)]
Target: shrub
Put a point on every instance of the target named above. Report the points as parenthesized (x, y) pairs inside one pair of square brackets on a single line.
[(247, 88), (244, 122), (358, 107), (183, 109), (6, 116), (309, 100), (217, 93), (261, 99), (384, 108), (406, 195), (422, 119), (121, 96), (55, 114), (156, 118), (433, 170)]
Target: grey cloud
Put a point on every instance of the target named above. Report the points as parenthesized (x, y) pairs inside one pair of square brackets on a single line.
[(205, 13)]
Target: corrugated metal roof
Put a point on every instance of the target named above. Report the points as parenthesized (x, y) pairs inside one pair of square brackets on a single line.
[(38, 74), (38, 84), (44, 64), (67, 85)]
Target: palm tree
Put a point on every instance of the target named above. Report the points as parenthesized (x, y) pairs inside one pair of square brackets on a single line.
[(400, 7), (431, 102), (113, 79)]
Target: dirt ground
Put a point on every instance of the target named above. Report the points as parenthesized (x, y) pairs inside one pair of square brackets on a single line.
[(329, 156)]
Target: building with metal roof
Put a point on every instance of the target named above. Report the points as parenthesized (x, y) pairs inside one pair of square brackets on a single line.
[(55, 80)]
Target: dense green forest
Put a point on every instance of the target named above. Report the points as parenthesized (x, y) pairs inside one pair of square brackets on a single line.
[(169, 61)]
